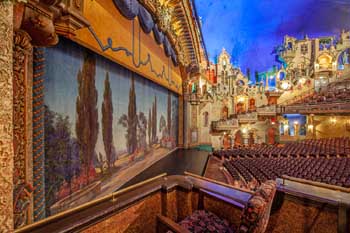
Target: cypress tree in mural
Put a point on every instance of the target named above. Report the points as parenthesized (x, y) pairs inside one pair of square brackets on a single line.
[(169, 114), (142, 131), (153, 138), (107, 121), (130, 121), (149, 127), (87, 116), (154, 121), (162, 126)]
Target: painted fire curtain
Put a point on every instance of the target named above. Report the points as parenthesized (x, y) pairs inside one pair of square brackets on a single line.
[(103, 125)]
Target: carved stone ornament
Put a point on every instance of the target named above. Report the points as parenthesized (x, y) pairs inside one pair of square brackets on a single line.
[(6, 110), (164, 15), (43, 20), (38, 23), (22, 48)]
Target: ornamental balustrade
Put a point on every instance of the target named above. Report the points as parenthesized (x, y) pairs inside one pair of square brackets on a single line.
[(248, 117), (267, 110), (225, 124)]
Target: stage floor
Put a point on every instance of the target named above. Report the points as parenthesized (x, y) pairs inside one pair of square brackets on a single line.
[(176, 163)]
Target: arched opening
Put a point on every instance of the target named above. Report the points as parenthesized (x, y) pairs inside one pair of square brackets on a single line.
[(251, 139), (240, 108), (344, 59), (206, 119), (271, 136), (282, 76), (226, 141), (238, 138), (224, 112), (252, 104)]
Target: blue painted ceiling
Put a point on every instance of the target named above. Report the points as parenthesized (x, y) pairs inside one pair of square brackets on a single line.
[(250, 29)]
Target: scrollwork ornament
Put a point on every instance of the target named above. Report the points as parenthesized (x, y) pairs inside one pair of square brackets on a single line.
[(164, 14)]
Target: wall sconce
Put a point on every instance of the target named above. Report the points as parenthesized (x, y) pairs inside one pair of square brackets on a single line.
[(347, 125), (240, 99), (310, 127), (334, 64), (302, 81), (333, 120)]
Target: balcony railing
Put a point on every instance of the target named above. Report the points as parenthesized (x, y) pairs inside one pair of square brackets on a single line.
[(225, 124), (320, 108), (267, 110), (248, 117)]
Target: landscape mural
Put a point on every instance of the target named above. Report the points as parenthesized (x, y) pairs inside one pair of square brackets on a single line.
[(103, 125)]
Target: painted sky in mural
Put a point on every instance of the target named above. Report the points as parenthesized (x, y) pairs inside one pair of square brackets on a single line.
[(250, 29), (58, 92)]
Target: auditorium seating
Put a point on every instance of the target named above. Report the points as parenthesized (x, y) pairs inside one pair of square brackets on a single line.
[(320, 160), (333, 171), (330, 147), (330, 95)]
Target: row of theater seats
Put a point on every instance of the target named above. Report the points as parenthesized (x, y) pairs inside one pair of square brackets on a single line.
[(332, 95), (331, 147), (334, 171)]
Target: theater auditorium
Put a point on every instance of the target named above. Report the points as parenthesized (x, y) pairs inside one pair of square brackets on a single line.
[(174, 116)]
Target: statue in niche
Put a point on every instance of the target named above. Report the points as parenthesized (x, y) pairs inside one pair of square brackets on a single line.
[(345, 58)]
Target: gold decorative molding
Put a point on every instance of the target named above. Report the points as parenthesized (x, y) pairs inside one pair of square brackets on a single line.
[(175, 19), (70, 18), (6, 117)]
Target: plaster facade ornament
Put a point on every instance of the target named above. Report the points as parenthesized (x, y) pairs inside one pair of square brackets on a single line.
[(164, 15)]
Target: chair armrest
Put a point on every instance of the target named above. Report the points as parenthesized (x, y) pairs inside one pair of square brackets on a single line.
[(165, 224)]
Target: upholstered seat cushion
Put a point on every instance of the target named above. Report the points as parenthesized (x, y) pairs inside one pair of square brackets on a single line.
[(202, 221)]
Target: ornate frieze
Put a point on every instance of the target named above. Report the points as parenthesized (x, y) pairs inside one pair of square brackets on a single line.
[(172, 18)]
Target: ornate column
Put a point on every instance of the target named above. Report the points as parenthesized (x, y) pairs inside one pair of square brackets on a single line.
[(38, 134), (6, 117), (181, 122), (22, 129)]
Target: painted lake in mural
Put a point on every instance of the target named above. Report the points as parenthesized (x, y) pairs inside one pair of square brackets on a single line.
[(103, 125)]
